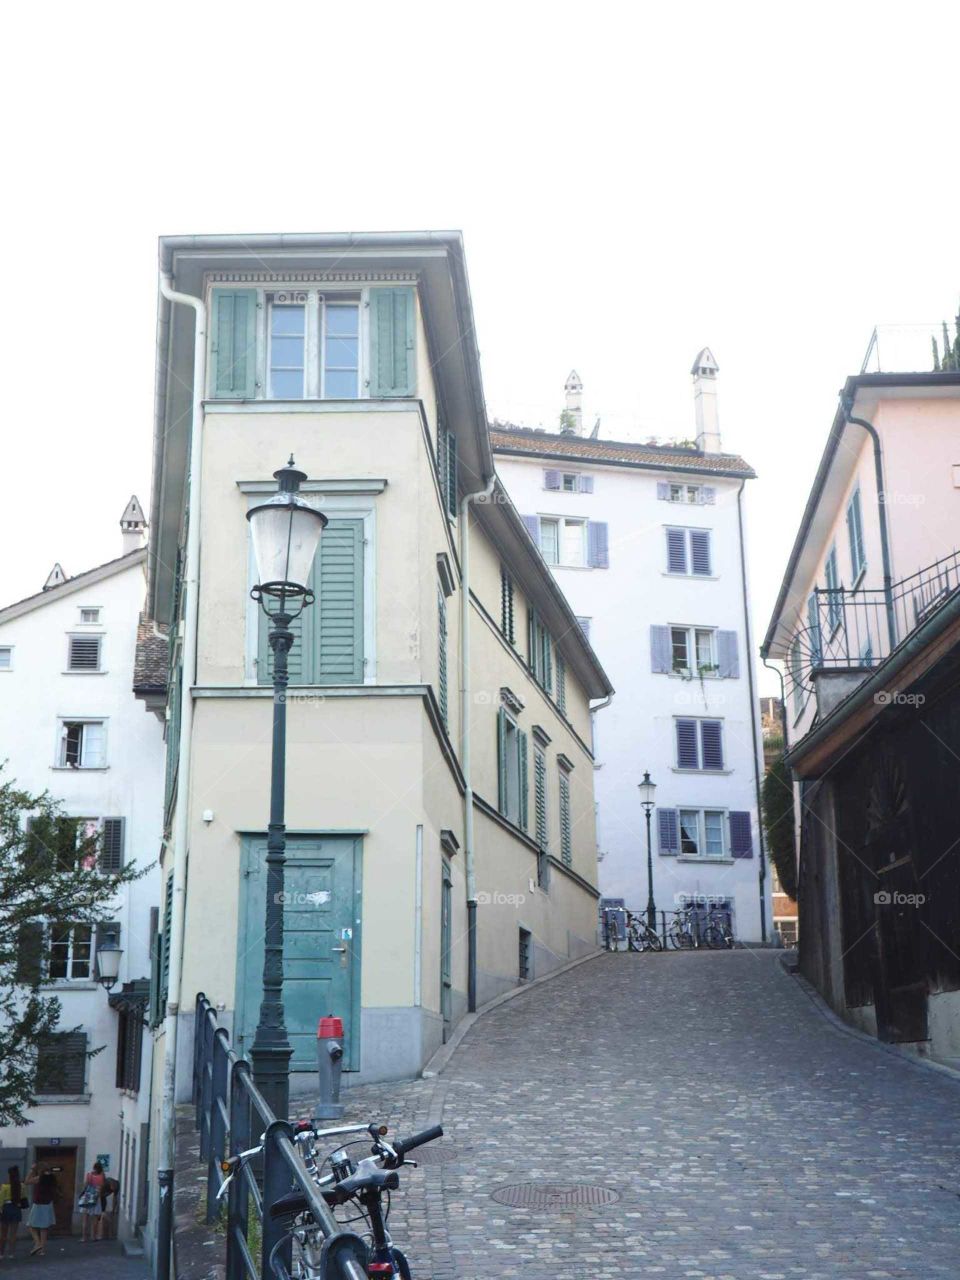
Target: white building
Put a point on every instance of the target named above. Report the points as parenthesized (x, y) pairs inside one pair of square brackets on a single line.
[(647, 542), (71, 725)]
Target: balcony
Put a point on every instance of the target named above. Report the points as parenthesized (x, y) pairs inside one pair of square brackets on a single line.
[(910, 348)]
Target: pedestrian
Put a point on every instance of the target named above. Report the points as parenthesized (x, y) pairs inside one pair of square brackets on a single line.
[(89, 1205), (42, 1216), (109, 1202), (11, 1211)]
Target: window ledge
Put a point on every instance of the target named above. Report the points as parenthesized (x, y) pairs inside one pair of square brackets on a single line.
[(84, 673), (69, 984), (80, 768), (689, 857), (64, 1099), (698, 577), (717, 773)]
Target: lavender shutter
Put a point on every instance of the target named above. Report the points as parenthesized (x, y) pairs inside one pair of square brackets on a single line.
[(708, 495), (663, 491), (711, 737), (700, 551), (551, 479), (661, 654), (532, 526), (676, 551), (598, 556), (668, 827), (688, 756), (728, 657), (585, 484), (741, 834)]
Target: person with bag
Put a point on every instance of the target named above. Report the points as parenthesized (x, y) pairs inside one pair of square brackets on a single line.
[(109, 1202), (42, 1215), (11, 1211), (89, 1205)]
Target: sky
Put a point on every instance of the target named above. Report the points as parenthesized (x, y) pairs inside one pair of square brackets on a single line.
[(632, 182)]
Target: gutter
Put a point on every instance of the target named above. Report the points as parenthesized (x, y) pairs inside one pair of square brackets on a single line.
[(167, 1144)]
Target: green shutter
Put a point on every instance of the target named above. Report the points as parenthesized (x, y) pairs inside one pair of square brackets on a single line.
[(451, 452), (165, 947), (392, 342), (442, 654), (546, 646), (566, 834), (233, 350), (154, 1015), (540, 796), (524, 788), (502, 760), (561, 685)]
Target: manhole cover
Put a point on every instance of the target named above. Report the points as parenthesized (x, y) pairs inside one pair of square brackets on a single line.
[(554, 1195), (438, 1154)]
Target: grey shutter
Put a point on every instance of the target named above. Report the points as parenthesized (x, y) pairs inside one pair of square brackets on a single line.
[(566, 830), (442, 470), (84, 653), (585, 484), (728, 657), (233, 345), (524, 787), (392, 342), (688, 756), (700, 552), (339, 609), (711, 737), (451, 474), (442, 655), (663, 491), (661, 651), (532, 526), (676, 551), (741, 834), (61, 1063), (111, 853), (598, 554), (668, 829), (30, 950), (502, 760), (100, 935), (546, 649), (540, 796), (708, 495), (561, 685), (165, 945), (551, 479)]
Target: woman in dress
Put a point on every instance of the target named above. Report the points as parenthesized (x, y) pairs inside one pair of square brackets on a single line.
[(91, 1204), (42, 1215), (11, 1211)]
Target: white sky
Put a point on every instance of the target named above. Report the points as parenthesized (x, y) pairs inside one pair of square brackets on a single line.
[(769, 180)]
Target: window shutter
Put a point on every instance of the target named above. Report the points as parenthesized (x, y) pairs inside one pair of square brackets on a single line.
[(551, 479), (728, 657), (741, 834), (668, 828), (661, 653), (540, 796), (234, 344), (338, 658), (442, 655), (502, 760), (524, 787), (598, 555), (506, 606), (813, 623), (84, 653), (700, 551), (566, 833), (165, 946), (392, 339), (561, 685), (663, 491), (585, 484), (451, 452), (30, 949), (155, 1014), (100, 936), (584, 624), (711, 735), (687, 754), (111, 852), (532, 526), (442, 470), (94, 745), (708, 495), (61, 1063), (546, 649), (676, 551)]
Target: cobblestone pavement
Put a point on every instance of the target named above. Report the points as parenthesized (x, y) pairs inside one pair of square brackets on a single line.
[(66, 1256), (746, 1137)]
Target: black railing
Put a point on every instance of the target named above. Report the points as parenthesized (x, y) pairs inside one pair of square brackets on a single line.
[(231, 1116)]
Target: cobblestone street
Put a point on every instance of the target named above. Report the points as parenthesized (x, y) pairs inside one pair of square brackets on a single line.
[(745, 1137)]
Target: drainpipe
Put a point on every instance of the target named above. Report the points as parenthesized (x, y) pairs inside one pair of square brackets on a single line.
[(846, 404), (168, 1116), (754, 712), (465, 752)]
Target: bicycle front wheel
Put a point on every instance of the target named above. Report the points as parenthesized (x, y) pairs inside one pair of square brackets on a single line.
[(712, 937)]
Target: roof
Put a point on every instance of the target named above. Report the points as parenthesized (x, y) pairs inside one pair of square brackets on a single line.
[(507, 438), (78, 583), (151, 662)]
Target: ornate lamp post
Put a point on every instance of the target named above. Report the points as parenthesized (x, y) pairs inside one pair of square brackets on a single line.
[(109, 954), (647, 792), (286, 534)]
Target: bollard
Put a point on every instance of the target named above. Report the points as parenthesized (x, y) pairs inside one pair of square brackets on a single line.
[(329, 1062)]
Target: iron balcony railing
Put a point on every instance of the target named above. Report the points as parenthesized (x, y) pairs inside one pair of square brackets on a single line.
[(231, 1114), (907, 348), (855, 627)]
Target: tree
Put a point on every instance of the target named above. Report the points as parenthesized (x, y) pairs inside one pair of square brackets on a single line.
[(778, 818), (950, 360), (51, 879)]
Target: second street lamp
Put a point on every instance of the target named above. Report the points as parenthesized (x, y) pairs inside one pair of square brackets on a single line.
[(648, 790), (286, 533)]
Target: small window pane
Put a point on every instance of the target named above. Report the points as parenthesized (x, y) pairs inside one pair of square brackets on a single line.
[(573, 542), (690, 831), (343, 320), (569, 484), (81, 952), (59, 951), (287, 329), (286, 386), (6, 659), (705, 656), (287, 321), (341, 384), (550, 541), (341, 353), (713, 828), (678, 638)]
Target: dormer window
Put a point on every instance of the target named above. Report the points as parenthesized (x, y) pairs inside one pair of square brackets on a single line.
[(314, 346)]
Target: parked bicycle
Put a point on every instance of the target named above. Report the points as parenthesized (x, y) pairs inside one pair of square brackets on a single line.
[(359, 1189), (690, 929), (640, 937)]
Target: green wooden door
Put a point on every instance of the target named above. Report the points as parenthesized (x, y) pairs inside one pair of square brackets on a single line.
[(321, 943), (446, 906)]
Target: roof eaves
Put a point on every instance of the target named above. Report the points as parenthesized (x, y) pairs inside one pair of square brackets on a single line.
[(76, 583)]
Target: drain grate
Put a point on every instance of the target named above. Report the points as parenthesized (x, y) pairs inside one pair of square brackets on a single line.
[(438, 1153), (554, 1195)]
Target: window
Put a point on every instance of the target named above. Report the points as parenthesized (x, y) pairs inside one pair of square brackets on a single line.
[(89, 615), (564, 542), (566, 827), (692, 495), (6, 657), (694, 649), (61, 1064), (689, 552), (83, 744), (855, 533), (292, 373), (83, 653), (541, 652), (288, 349), (70, 954), (524, 956), (567, 481), (834, 591), (701, 833), (699, 744), (507, 623), (340, 372), (129, 1047), (685, 493), (512, 761)]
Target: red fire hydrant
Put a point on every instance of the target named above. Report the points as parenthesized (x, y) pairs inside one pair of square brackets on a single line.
[(329, 1063)]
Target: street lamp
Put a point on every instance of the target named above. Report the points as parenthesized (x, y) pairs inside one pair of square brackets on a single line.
[(286, 533), (648, 790), (109, 953)]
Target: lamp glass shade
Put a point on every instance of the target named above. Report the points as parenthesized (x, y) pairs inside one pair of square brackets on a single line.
[(108, 961), (647, 790), (286, 534)]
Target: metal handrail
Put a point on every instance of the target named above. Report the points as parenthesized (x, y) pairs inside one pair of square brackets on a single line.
[(227, 1103)]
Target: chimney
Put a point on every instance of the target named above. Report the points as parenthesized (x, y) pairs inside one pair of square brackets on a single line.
[(571, 420), (55, 577), (133, 525), (705, 401)]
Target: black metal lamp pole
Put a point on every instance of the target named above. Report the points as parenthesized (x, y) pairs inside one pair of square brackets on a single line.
[(647, 791), (286, 533)]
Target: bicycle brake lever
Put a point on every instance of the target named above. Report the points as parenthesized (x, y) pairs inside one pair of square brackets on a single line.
[(412, 1163)]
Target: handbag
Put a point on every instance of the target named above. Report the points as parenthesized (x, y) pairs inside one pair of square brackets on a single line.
[(88, 1198)]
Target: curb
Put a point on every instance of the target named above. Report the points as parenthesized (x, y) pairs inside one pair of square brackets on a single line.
[(446, 1051)]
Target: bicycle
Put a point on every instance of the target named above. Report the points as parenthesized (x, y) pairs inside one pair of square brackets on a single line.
[(682, 935), (717, 933), (640, 937), (364, 1184)]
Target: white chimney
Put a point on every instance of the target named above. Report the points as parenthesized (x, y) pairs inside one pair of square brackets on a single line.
[(55, 577), (704, 372), (571, 420), (133, 524)]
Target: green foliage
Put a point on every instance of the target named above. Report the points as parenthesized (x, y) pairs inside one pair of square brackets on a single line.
[(568, 422), (949, 361), (780, 822), (49, 876)]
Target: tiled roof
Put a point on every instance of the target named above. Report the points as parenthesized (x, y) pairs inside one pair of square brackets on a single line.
[(506, 438), (151, 661)]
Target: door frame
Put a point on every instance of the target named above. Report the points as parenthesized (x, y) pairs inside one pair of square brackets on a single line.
[(248, 839)]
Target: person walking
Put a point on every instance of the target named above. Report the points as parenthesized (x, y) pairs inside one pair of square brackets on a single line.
[(109, 1201), (90, 1204), (11, 1211), (42, 1216)]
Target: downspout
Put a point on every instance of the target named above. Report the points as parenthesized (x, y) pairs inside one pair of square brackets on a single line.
[(465, 752), (754, 711), (168, 1117), (846, 404)]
